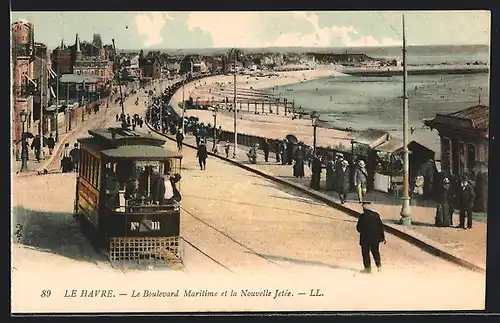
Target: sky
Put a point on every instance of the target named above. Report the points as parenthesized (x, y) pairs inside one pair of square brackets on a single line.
[(257, 29)]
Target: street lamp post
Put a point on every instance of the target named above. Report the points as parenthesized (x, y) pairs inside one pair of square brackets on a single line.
[(24, 145), (215, 127), (405, 208), (314, 119), (235, 54)]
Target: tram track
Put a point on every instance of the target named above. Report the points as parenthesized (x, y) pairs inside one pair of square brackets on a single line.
[(226, 235), (205, 254)]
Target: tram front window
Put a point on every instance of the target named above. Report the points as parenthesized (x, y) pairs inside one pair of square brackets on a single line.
[(146, 183)]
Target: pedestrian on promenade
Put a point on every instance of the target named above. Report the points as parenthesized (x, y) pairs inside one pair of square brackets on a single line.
[(342, 180), (226, 148), (75, 157), (65, 159), (117, 117), (202, 155), (284, 157), (466, 201), (35, 145), (330, 172), (360, 180), (51, 143), (371, 234), (316, 168), (298, 167), (277, 150), (265, 149), (179, 137), (444, 212), (289, 152)]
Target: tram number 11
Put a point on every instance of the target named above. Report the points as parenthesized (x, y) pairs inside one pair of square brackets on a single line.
[(154, 226)]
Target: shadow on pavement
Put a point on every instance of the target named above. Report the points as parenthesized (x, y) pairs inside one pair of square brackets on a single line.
[(56, 233), (305, 262), (415, 223)]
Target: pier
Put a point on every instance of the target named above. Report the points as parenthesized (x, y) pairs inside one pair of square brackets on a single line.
[(416, 70)]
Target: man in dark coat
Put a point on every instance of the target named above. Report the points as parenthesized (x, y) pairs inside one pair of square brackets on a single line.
[(316, 169), (342, 177), (277, 149), (466, 198), (265, 149), (298, 167), (35, 145), (202, 155), (330, 173), (371, 234), (179, 137), (444, 211), (284, 157), (51, 143), (75, 157), (289, 152)]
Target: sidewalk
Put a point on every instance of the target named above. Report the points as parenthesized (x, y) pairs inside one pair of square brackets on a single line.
[(51, 162), (465, 247)]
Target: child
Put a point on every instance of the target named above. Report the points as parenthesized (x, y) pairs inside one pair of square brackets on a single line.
[(226, 148)]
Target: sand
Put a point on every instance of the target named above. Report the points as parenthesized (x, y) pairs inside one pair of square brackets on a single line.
[(265, 125)]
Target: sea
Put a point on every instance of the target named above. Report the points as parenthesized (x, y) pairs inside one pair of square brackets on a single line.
[(360, 102)]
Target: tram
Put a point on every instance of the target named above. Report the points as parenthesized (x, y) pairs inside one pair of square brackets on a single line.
[(128, 195)]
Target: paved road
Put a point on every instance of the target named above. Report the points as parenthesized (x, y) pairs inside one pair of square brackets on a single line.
[(238, 222)]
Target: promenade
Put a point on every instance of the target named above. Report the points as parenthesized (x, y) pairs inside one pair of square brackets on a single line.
[(234, 223), (469, 245)]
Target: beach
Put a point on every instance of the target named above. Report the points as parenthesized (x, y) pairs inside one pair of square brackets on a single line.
[(273, 126)]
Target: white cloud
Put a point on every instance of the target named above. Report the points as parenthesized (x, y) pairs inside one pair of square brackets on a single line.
[(235, 29), (151, 25), (328, 36), (243, 29)]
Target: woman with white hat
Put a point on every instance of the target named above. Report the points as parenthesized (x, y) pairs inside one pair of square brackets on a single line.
[(360, 180)]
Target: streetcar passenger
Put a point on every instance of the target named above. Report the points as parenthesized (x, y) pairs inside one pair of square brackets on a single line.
[(112, 190)]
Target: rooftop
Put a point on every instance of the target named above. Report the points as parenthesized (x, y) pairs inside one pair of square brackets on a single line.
[(473, 118), (126, 136)]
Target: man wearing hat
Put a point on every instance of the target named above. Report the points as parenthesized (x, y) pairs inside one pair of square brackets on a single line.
[(371, 234), (360, 180), (343, 180), (202, 154), (466, 198)]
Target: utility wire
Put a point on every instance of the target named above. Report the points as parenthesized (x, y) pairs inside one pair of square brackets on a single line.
[(389, 24)]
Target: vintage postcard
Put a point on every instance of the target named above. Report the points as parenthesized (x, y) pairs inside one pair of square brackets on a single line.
[(249, 161)]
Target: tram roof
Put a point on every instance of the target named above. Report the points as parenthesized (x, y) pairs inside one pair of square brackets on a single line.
[(140, 152), (120, 136)]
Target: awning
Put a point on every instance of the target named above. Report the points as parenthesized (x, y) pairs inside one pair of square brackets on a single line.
[(390, 146), (140, 152), (371, 137)]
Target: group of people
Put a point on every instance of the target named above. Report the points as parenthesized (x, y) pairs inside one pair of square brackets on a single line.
[(70, 158), (161, 191), (132, 122), (454, 194)]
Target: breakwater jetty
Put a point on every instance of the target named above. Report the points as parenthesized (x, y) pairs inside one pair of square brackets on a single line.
[(415, 70)]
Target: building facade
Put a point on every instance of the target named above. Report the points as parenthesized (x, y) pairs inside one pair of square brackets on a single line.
[(22, 36), (464, 147), (150, 67)]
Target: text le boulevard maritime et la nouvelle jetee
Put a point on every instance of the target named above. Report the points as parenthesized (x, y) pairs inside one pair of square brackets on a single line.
[(188, 293)]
